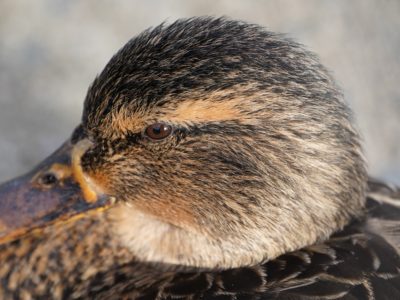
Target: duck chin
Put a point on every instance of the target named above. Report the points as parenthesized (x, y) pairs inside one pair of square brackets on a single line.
[(155, 241)]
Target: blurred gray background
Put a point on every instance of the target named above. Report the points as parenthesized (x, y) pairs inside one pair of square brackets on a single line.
[(50, 51)]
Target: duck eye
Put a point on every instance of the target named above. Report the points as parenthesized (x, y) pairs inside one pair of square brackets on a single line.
[(158, 131)]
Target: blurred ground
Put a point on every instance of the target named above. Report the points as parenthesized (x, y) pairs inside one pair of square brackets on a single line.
[(51, 50)]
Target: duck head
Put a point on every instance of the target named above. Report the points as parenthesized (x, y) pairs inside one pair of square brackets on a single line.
[(208, 143)]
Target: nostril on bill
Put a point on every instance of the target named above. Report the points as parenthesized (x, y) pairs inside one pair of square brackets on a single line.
[(48, 179)]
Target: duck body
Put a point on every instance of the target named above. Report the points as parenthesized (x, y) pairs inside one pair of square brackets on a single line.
[(214, 160)]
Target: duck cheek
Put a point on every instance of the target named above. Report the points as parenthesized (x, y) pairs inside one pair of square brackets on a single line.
[(100, 182)]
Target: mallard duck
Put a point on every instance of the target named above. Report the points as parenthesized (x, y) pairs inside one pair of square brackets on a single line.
[(214, 160)]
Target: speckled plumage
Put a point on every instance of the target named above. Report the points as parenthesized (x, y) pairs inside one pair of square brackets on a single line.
[(259, 192)]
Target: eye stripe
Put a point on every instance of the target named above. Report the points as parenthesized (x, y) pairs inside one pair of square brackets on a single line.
[(230, 128)]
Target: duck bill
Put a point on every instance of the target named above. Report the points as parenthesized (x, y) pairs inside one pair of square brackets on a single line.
[(48, 194)]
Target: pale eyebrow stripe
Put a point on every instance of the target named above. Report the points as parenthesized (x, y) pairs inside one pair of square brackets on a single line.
[(196, 108), (204, 111)]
